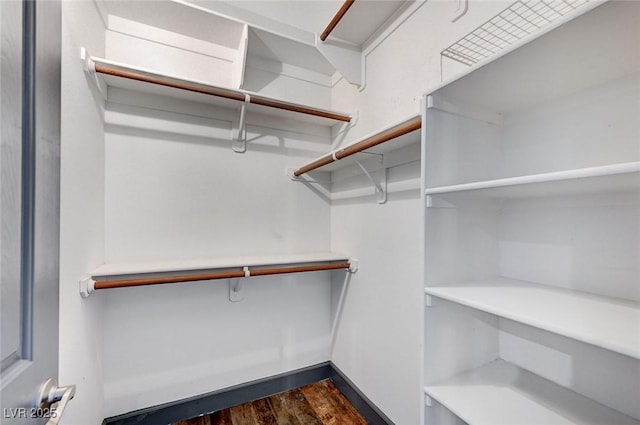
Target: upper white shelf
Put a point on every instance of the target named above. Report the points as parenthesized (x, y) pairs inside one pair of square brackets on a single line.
[(517, 22), (605, 322), (364, 19), (148, 267), (592, 180), (553, 65), (115, 74), (500, 393)]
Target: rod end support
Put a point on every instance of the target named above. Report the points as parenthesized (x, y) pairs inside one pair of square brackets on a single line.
[(88, 65), (353, 265), (87, 286), (290, 172)]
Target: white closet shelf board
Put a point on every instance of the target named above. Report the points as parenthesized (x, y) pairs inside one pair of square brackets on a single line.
[(274, 48), (522, 20), (123, 269), (593, 180), (176, 17), (553, 64), (393, 144), (500, 393), (149, 81), (604, 322), (364, 19)]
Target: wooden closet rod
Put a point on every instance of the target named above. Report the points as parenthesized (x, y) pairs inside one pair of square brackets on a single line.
[(343, 10), (168, 82), (390, 134), (108, 284), (176, 83)]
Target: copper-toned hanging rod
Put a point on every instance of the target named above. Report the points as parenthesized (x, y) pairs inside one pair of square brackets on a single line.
[(343, 10), (240, 96), (168, 82), (259, 100), (390, 134), (125, 283)]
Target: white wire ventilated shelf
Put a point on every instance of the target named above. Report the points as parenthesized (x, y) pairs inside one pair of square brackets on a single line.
[(519, 20)]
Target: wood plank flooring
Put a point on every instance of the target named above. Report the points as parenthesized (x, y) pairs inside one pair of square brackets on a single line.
[(316, 404)]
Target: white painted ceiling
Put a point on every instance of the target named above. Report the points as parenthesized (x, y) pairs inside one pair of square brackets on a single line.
[(308, 15)]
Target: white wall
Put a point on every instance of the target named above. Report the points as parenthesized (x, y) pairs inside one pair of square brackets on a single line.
[(403, 66), (81, 215), (378, 335), (174, 196), (170, 53), (176, 190), (378, 342)]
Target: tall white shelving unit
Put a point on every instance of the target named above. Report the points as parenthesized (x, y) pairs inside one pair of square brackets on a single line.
[(531, 185)]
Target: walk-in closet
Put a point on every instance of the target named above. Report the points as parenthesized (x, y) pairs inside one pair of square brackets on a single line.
[(321, 212)]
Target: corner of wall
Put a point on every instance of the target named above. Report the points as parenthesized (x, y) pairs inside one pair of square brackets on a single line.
[(81, 213)]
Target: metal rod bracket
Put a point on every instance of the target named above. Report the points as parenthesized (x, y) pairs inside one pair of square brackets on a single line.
[(87, 286), (379, 181), (236, 292), (239, 143), (428, 401)]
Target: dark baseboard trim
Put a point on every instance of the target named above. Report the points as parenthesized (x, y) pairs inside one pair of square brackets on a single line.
[(228, 397), (370, 411)]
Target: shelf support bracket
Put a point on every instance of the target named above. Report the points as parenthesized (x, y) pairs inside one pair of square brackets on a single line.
[(428, 300), (380, 183), (87, 286), (236, 292), (428, 401), (436, 202), (240, 138), (345, 57), (432, 301)]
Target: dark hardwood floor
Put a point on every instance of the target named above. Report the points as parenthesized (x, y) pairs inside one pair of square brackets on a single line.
[(316, 404)]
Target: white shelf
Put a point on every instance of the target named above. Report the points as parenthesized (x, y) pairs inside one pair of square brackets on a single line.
[(148, 267), (503, 394), (508, 82), (593, 180), (536, 147), (364, 20), (140, 79), (514, 24), (605, 322)]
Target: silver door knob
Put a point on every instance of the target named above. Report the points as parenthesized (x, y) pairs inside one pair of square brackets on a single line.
[(51, 394)]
